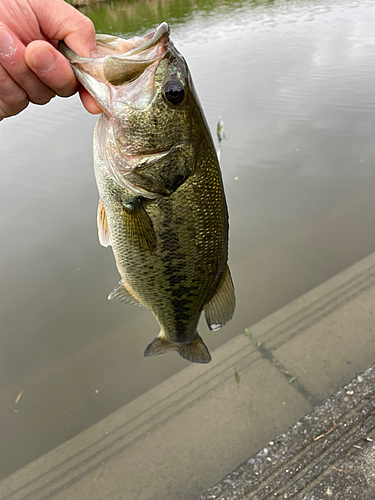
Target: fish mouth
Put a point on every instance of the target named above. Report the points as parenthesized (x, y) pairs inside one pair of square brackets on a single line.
[(119, 64)]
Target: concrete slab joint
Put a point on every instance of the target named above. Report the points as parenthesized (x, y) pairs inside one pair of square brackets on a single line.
[(330, 453)]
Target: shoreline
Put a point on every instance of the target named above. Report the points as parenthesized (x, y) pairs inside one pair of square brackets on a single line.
[(84, 3)]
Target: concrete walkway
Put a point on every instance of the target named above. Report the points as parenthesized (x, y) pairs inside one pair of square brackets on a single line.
[(330, 453), (189, 432)]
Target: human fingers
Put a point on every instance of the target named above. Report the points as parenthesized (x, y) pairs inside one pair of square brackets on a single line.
[(64, 22), (12, 98), (60, 21), (55, 71), (51, 68), (89, 102), (12, 60)]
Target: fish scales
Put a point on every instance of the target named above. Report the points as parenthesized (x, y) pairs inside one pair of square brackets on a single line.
[(173, 282), (162, 205)]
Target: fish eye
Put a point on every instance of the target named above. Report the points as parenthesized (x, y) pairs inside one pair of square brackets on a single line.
[(174, 92)]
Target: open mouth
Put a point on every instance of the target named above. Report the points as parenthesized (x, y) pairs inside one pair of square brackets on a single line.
[(124, 72), (122, 79), (120, 61)]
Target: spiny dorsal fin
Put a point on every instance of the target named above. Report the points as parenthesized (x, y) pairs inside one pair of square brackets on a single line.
[(121, 294), (195, 352), (139, 230), (220, 309), (103, 230)]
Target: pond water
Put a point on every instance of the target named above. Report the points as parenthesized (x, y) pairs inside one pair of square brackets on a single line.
[(294, 82)]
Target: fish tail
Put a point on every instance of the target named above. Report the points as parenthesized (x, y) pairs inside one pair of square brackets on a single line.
[(196, 351)]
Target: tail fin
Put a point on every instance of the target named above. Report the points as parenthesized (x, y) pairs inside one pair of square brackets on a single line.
[(196, 352)]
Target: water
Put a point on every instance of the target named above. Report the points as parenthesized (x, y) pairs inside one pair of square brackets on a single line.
[(294, 83)]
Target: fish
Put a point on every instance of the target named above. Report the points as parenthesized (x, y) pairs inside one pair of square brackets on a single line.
[(162, 206)]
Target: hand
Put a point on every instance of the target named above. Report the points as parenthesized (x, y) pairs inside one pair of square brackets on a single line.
[(31, 68)]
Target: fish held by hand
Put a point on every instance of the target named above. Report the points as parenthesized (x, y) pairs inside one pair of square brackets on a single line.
[(162, 206)]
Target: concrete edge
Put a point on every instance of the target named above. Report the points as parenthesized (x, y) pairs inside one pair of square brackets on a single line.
[(295, 462), (84, 451)]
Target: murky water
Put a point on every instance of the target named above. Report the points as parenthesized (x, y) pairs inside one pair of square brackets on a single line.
[(295, 85)]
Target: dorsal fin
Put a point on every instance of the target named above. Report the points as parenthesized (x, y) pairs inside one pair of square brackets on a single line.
[(220, 309), (103, 230)]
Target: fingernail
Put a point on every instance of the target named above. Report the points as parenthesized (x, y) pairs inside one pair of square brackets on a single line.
[(7, 43), (43, 60)]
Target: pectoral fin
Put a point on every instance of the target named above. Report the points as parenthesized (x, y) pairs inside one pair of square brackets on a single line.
[(196, 352), (103, 230), (139, 230), (220, 309), (122, 294)]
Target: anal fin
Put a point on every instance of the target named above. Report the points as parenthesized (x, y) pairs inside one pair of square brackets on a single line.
[(220, 309), (122, 294), (196, 351), (103, 230)]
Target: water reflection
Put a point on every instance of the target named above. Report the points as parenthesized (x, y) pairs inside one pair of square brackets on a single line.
[(294, 84), (135, 17)]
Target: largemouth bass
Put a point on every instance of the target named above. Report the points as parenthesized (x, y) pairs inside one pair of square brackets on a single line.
[(162, 206)]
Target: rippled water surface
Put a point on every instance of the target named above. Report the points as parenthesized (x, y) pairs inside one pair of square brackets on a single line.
[(294, 82)]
